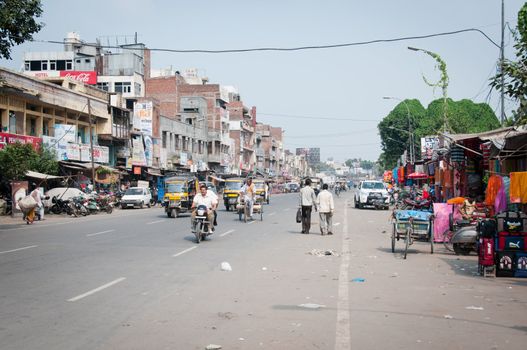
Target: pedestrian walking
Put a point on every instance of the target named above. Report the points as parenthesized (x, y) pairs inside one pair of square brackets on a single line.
[(307, 201), (38, 196), (326, 207)]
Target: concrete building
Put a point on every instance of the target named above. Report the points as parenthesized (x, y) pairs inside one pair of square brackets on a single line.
[(36, 111), (242, 131)]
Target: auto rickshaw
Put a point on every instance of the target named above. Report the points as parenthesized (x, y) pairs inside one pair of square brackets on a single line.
[(231, 192), (179, 193), (260, 189)]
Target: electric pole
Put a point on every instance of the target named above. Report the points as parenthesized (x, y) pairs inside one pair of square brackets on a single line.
[(502, 59), (91, 145)]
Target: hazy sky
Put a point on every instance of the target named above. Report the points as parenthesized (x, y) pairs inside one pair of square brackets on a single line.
[(339, 90)]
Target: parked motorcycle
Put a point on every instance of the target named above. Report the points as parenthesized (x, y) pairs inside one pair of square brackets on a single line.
[(63, 206), (79, 206), (201, 223)]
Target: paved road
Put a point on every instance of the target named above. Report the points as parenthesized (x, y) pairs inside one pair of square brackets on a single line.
[(135, 279)]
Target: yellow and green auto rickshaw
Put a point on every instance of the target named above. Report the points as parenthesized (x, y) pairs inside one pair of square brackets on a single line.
[(261, 190), (231, 192), (179, 193)]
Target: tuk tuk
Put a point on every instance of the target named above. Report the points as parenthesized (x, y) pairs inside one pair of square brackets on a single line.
[(260, 190), (179, 193), (231, 192)]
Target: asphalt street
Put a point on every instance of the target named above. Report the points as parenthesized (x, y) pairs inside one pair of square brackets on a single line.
[(136, 279)]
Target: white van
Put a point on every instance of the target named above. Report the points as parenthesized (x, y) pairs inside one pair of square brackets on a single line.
[(136, 197)]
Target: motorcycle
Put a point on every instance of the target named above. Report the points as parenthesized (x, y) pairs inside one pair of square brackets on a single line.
[(63, 206), (78, 204), (201, 223)]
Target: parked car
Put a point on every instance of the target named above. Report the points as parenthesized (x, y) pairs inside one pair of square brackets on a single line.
[(64, 193), (136, 197), (291, 187), (370, 192)]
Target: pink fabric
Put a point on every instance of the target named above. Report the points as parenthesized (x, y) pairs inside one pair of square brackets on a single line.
[(500, 203), (441, 213)]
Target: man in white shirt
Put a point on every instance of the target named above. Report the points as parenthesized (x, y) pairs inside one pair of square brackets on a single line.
[(204, 198), (248, 191), (307, 201), (326, 208)]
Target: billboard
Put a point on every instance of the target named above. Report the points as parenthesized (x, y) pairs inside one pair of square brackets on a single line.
[(428, 145), (6, 139), (143, 115)]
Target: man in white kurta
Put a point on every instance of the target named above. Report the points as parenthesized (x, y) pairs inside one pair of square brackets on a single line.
[(326, 207)]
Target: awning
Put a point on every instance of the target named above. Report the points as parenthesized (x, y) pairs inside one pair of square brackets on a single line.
[(154, 172), (40, 176)]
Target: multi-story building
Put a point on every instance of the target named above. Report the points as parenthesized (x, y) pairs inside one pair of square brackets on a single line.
[(242, 131), (193, 103), (62, 116)]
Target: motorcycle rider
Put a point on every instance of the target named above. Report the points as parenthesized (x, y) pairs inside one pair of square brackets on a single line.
[(204, 198)]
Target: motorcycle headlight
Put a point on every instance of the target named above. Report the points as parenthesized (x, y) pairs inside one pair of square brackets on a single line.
[(201, 212), (363, 197)]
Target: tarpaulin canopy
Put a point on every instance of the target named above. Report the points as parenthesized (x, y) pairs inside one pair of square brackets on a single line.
[(416, 176), (40, 176)]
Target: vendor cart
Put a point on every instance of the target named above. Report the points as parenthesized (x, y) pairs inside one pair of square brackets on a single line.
[(243, 209), (411, 226)]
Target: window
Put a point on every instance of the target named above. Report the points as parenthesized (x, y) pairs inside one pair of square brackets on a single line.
[(61, 65), (44, 65), (35, 65), (69, 65), (123, 87), (53, 65), (26, 65), (103, 86), (77, 60), (87, 60)]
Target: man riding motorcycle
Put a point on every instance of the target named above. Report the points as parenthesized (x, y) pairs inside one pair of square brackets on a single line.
[(207, 199)]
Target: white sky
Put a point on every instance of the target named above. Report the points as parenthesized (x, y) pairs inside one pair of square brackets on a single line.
[(340, 83)]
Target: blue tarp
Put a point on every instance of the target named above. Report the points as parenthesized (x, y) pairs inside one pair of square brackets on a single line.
[(416, 214)]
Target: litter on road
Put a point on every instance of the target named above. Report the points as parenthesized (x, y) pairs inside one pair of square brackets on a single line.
[(318, 252), (311, 306), (358, 279), (225, 266)]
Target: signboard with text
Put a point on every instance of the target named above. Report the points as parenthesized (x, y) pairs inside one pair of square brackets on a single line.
[(6, 139), (87, 77)]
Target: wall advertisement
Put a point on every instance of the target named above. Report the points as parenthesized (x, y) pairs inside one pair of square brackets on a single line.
[(143, 115)]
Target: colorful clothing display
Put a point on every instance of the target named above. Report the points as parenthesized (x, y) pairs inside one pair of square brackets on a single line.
[(493, 186), (518, 187)]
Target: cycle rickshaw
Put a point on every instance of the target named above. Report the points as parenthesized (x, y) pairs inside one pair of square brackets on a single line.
[(411, 226), (243, 209)]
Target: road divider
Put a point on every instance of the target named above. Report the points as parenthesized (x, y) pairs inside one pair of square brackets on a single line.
[(98, 289)]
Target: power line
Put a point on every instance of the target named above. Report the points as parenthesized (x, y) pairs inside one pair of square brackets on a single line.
[(299, 48), (331, 135), (312, 117)]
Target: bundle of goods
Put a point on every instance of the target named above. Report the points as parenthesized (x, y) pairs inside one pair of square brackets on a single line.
[(511, 244)]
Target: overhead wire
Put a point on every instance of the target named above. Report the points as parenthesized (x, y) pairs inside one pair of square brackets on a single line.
[(299, 48), (314, 117)]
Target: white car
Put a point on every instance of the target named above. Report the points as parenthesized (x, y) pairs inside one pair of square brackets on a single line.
[(136, 197), (372, 193)]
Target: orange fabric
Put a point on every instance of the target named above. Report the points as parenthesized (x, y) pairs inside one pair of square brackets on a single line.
[(518, 188), (447, 176), (492, 189), (456, 200)]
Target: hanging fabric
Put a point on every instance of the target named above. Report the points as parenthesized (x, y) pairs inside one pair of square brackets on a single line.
[(493, 186), (518, 187)]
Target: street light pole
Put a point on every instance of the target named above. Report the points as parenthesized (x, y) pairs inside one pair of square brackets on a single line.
[(91, 145), (410, 131)]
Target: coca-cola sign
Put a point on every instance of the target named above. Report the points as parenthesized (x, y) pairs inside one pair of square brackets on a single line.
[(87, 77)]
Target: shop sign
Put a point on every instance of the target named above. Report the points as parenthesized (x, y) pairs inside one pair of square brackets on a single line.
[(66, 133), (143, 115), (138, 151), (183, 158), (7, 139), (428, 145), (86, 77), (137, 170)]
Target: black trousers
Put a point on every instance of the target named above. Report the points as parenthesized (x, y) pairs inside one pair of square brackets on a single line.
[(306, 218)]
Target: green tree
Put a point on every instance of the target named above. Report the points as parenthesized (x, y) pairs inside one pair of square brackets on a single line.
[(463, 116), (514, 73), (17, 23), (16, 159)]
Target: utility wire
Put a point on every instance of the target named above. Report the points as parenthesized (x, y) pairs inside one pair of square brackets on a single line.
[(299, 48), (332, 135), (312, 117)]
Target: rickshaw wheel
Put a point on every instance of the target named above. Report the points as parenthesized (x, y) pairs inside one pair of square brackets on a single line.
[(393, 238), (407, 241)]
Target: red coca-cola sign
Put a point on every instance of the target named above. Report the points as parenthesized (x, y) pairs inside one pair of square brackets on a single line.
[(87, 77)]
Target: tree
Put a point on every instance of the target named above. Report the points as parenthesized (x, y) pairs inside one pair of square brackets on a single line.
[(16, 159), (514, 73), (463, 116), (17, 23)]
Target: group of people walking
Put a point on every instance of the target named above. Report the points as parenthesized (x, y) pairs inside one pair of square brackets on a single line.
[(323, 202)]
